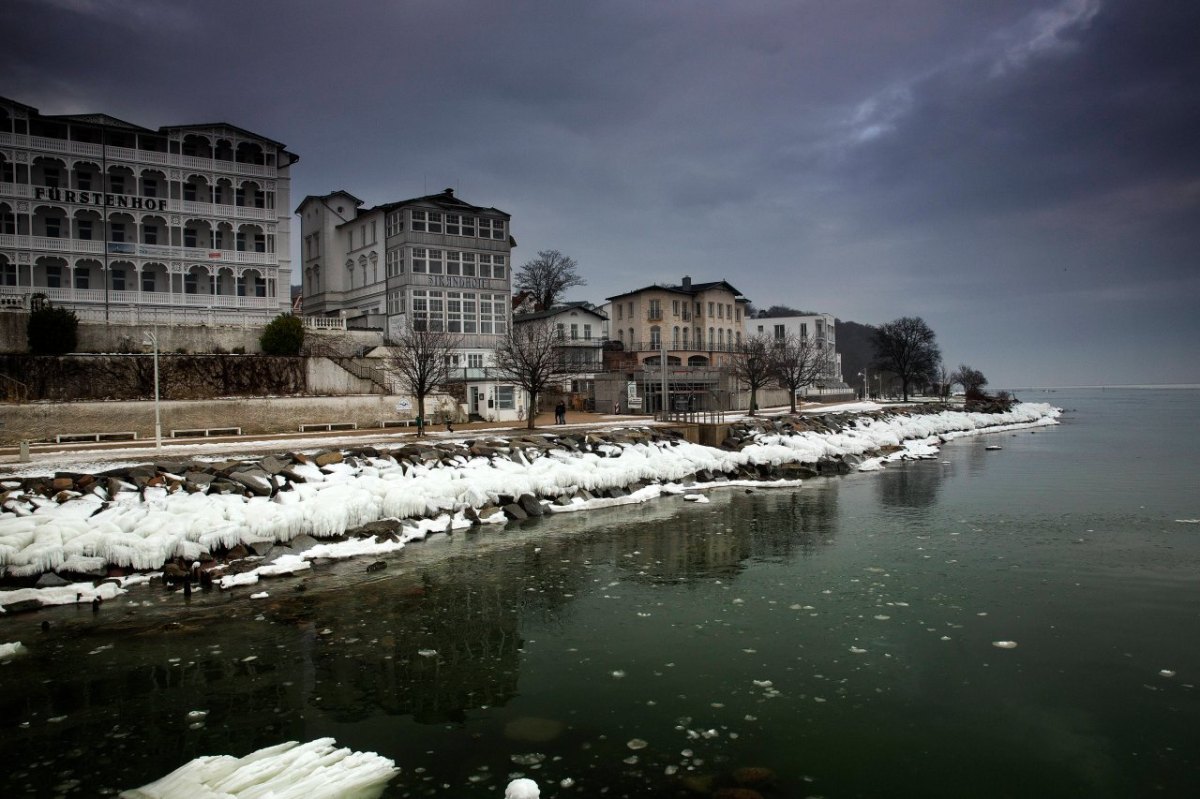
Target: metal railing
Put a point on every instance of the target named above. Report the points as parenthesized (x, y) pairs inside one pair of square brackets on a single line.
[(13, 390)]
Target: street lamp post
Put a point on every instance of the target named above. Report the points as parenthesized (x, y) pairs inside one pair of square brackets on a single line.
[(152, 339), (866, 389)]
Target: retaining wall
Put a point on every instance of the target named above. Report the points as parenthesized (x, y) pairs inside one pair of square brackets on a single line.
[(43, 421)]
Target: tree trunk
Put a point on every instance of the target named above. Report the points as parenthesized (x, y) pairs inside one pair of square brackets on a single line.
[(793, 391), (531, 411), (753, 400), (420, 415)]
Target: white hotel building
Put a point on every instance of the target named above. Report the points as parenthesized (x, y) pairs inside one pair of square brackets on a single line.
[(187, 224), (820, 330), (433, 260)]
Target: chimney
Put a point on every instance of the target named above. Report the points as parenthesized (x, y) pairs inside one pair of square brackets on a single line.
[(687, 282), (448, 192)]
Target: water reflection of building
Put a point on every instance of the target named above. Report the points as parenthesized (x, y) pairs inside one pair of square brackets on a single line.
[(910, 484), (431, 646), (718, 538)]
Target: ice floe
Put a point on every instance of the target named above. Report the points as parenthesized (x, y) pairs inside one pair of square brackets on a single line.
[(315, 770)]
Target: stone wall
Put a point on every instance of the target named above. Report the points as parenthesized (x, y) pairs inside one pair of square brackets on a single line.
[(97, 337), (43, 421)]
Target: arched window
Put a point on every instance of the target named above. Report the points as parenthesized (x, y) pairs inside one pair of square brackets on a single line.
[(350, 272)]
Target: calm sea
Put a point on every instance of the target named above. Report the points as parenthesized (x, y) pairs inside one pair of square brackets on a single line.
[(842, 637)]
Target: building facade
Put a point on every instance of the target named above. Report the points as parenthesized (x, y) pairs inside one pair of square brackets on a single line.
[(435, 261), (186, 224), (819, 329), (698, 324)]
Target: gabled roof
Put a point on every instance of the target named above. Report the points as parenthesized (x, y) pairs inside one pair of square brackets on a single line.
[(99, 119), (560, 309), (357, 202), (690, 289), (112, 122), (210, 126), (444, 200)]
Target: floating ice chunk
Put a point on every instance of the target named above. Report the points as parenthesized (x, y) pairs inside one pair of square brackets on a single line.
[(315, 770), (1161, 673), (1004, 644), (11, 650), (1187, 521), (427, 653), (260, 595), (854, 650), (618, 674), (522, 788), (636, 744), (700, 498)]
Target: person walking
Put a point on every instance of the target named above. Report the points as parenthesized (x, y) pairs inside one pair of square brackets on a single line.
[(560, 413)]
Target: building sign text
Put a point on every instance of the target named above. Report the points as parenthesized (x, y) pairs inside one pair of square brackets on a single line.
[(99, 199)]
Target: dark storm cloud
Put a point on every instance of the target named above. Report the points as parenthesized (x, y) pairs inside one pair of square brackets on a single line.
[(1020, 172)]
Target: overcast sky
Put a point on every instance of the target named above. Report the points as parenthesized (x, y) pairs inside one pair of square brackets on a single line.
[(1023, 174)]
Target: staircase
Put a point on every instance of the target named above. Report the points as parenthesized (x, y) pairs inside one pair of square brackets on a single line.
[(12, 390), (373, 374)]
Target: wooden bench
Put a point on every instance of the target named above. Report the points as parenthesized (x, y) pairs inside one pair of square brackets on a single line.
[(328, 426), (205, 432), (397, 422), (71, 438)]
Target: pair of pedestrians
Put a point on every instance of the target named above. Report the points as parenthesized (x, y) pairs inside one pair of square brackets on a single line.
[(560, 413)]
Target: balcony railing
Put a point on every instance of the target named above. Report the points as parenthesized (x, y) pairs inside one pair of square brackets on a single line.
[(91, 247), (113, 153), (73, 296), (650, 347)]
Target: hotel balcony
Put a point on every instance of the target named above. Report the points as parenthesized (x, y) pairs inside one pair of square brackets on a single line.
[(48, 244), (137, 156)]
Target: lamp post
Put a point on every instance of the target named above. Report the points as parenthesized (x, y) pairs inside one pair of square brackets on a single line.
[(865, 391), (152, 339)]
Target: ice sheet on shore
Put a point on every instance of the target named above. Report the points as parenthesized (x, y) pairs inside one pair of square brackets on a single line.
[(315, 770), (144, 534)]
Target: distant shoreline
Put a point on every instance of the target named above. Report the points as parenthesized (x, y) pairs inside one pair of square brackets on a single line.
[(1138, 386)]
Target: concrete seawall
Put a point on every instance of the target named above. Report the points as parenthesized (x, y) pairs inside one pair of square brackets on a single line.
[(259, 415)]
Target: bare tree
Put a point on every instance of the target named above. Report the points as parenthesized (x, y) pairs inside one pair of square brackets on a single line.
[(798, 361), (972, 380), (530, 354), (944, 380), (753, 365), (421, 359), (547, 278), (907, 347)]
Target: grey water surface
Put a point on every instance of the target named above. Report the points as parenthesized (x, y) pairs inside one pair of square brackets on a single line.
[(841, 635)]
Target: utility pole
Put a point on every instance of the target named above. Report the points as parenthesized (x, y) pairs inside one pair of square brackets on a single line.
[(152, 338)]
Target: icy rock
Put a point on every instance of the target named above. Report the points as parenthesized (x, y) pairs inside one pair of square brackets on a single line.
[(530, 504), (522, 788)]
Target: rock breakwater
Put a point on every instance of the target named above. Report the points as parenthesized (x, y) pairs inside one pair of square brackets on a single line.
[(189, 518)]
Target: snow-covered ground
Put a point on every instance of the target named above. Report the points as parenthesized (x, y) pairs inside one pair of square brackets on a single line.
[(88, 532)]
